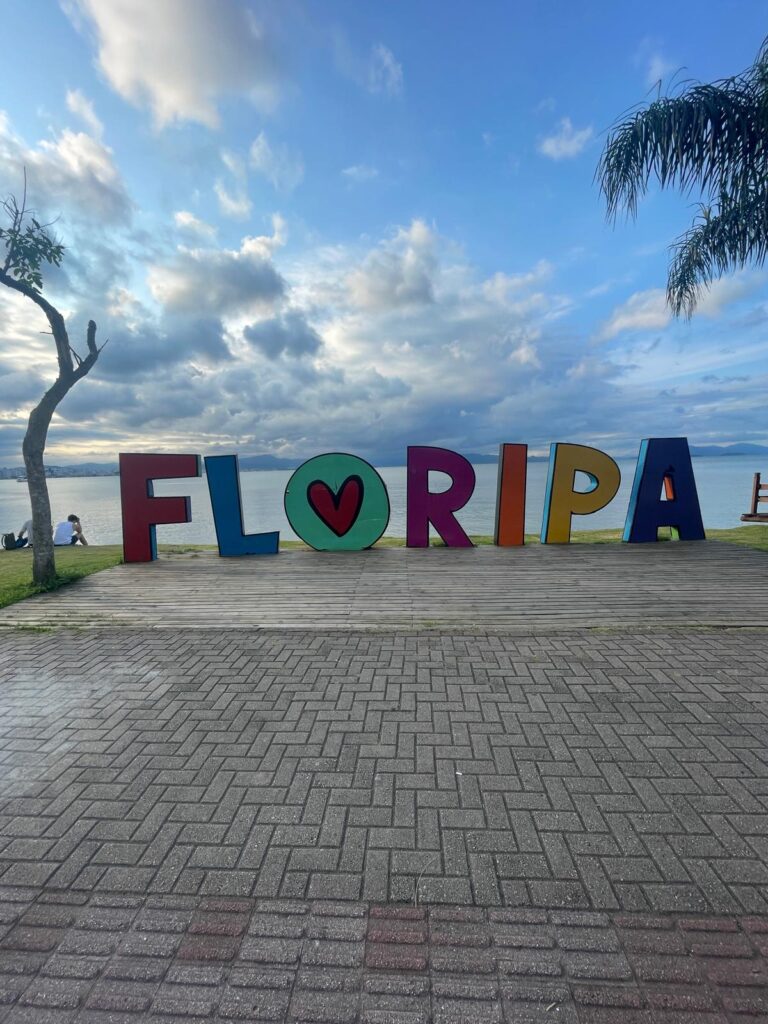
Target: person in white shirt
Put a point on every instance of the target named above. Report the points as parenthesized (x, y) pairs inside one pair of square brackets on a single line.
[(69, 532), (25, 535)]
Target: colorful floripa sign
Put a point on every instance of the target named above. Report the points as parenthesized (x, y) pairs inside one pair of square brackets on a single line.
[(338, 502)]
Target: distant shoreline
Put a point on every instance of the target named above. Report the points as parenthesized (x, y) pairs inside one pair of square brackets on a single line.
[(111, 469)]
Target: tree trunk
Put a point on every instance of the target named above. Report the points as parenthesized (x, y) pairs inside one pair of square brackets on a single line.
[(43, 564), (71, 369)]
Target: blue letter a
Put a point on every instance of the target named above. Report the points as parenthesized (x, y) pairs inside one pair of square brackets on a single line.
[(663, 462)]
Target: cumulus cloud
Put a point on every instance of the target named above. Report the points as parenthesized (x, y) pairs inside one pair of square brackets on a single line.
[(281, 166), (221, 282), (144, 349), (180, 57), (397, 273), (73, 173), (360, 172), (19, 385), (385, 74), (566, 142), (287, 334)]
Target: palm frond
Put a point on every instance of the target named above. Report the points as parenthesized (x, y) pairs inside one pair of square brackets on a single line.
[(710, 137), (734, 236)]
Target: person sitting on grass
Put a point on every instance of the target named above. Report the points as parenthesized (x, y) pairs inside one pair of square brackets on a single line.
[(24, 537), (69, 532)]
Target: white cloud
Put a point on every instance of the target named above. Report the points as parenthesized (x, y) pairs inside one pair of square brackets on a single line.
[(282, 167), (726, 290), (658, 69), (655, 64), (399, 272), (642, 311), (526, 353), (180, 57), (233, 204), (234, 200), (219, 282), (72, 173), (385, 75), (501, 286), (187, 221), (566, 142), (82, 107), (288, 334), (648, 310), (360, 172)]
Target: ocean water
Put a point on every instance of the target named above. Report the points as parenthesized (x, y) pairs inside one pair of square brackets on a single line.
[(724, 485)]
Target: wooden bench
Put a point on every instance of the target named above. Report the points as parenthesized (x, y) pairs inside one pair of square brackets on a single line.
[(753, 516)]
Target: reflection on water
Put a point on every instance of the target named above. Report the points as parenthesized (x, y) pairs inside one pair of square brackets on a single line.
[(724, 484)]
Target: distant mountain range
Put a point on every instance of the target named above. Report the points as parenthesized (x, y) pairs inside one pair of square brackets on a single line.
[(262, 462), (729, 449)]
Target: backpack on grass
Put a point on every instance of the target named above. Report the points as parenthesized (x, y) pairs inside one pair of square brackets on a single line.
[(8, 541)]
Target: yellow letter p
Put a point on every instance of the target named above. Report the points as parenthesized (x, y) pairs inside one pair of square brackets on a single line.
[(562, 500)]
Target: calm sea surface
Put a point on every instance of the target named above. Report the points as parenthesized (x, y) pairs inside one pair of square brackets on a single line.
[(724, 484)]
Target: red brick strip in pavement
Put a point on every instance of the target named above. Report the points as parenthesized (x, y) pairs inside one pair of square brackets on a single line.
[(66, 957)]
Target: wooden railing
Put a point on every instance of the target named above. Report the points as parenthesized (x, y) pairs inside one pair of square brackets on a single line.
[(753, 516)]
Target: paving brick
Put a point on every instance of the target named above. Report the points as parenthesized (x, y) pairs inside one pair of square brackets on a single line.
[(333, 954), (397, 931), (393, 957), (120, 996), (598, 966), (71, 967), (333, 1008), (57, 993), (270, 951), (33, 940), (464, 1011), (123, 968)]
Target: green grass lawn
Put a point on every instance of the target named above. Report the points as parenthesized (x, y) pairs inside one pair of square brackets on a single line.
[(71, 564), (76, 562)]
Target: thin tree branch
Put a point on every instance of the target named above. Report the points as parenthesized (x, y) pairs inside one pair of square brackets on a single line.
[(55, 319)]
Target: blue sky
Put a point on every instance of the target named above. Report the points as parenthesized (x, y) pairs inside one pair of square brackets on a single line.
[(355, 226)]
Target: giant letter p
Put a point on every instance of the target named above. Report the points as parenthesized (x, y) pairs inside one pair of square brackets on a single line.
[(562, 500)]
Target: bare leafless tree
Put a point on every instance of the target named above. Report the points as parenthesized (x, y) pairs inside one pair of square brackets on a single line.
[(28, 245)]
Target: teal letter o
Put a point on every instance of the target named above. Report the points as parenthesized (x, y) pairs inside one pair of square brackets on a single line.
[(337, 502)]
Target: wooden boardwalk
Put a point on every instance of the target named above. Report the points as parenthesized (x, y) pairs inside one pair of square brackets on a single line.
[(533, 588)]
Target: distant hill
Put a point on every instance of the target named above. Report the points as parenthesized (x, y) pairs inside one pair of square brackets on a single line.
[(250, 463), (743, 448), (267, 462)]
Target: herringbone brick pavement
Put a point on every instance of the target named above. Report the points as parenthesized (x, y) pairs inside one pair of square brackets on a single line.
[(605, 772)]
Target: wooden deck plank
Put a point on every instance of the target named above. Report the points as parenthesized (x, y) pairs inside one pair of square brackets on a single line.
[(534, 587)]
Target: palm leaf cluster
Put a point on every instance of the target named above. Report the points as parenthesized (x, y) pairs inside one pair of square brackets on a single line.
[(712, 139)]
